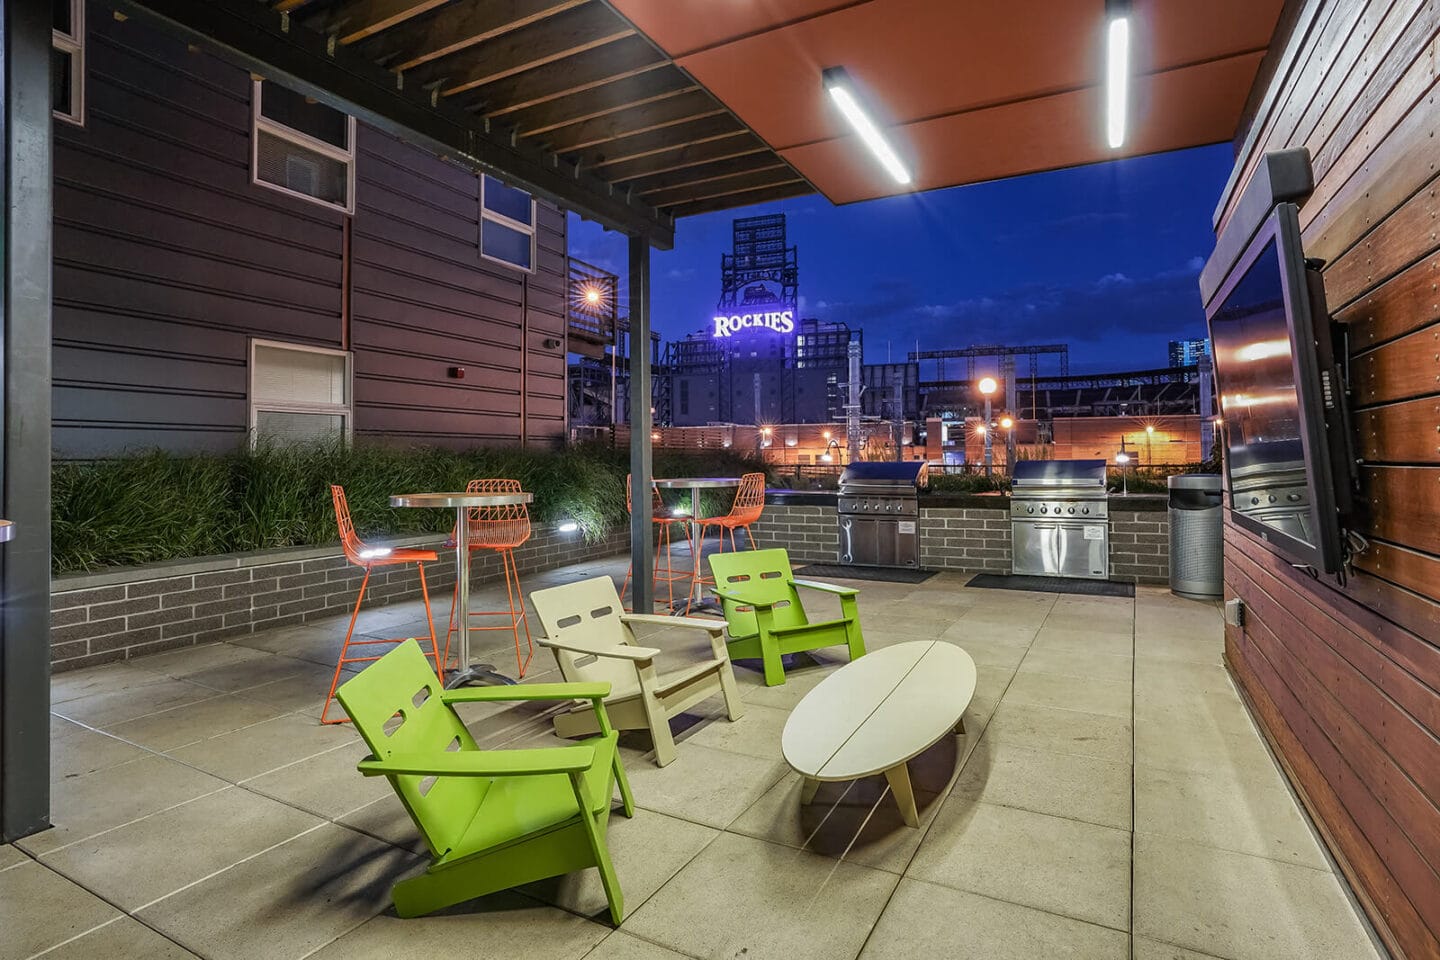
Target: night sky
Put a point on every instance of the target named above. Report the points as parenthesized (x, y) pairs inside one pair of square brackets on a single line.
[(1103, 257)]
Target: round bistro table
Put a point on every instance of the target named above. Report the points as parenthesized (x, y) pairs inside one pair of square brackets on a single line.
[(696, 486), (461, 502), (875, 714)]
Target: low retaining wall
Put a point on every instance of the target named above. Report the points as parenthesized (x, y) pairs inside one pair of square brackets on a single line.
[(962, 535), (117, 614)]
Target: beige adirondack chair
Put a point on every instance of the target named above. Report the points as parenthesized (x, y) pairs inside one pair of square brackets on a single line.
[(590, 634)]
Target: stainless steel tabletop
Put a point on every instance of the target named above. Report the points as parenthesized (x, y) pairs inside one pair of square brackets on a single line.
[(696, 483), (453, 500)]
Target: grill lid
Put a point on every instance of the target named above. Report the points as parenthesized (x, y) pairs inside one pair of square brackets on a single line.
[(1059, 473), (885, 473)]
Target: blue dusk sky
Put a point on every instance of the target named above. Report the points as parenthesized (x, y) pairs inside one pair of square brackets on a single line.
[(1103, 257)]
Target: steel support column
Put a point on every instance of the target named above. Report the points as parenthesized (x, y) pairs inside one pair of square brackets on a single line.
[(25, 452), (642, 541)]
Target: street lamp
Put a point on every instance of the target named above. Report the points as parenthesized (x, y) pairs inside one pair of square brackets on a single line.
[(1123, 459), (987, 390)]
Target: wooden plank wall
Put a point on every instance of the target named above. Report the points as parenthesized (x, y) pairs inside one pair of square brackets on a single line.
[(1345, 674), (423, 301), (168, 260)]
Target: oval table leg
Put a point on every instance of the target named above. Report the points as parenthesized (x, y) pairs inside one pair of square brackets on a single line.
[(807, 791), (899, 777)]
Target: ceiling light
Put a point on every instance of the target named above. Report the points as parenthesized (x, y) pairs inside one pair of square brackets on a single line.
[(842, 91), (1117, 70)]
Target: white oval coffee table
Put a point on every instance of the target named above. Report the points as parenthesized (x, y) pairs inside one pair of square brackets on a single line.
[(875, 713)]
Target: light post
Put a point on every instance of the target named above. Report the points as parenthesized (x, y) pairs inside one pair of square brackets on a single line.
[(1123, 460), (1149, 445), (987, 390), (1007, 423)]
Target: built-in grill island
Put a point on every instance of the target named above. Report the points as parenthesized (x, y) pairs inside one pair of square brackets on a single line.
[(1059, 519), (879, 513)]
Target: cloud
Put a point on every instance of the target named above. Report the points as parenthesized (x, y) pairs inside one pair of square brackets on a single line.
[(680, 273)]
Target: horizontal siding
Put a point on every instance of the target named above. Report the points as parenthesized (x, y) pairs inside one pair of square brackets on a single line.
[(1344, 673), (167, 259), (423, 301)]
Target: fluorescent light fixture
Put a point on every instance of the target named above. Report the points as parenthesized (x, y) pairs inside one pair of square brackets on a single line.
[(841, 90), (1117, 71), (569, 526)]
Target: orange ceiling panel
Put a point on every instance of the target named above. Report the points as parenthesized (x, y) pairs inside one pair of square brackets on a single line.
[(971, 89), (915, 59), (684, 26), (1171, 110)]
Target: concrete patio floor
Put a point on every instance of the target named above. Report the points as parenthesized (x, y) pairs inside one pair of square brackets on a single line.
[(1111, 799)]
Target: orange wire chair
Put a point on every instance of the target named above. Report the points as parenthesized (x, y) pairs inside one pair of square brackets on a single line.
[(748, 505), (368, 558), (664, 520), (502, 529)]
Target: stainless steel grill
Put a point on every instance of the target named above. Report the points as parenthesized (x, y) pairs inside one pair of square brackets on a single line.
[(879, 512), (1060, 519)]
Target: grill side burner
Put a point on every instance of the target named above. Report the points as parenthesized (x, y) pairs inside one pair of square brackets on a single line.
[(879, 513), (1060, 519)]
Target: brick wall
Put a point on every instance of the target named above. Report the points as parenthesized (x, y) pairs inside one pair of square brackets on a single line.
[(808, 533), (956, 538), (115, 615), (1140, 546)]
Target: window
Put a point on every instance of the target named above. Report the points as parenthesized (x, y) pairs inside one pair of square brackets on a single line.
[(67, 60), (507, 224), (298, 394), (301, 147)]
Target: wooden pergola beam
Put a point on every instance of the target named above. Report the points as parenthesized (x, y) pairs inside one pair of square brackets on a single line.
[(658, 141), (598, 101), (705, 172), (357, 19), (742, 143), (652, 116), (421, 39), (775, 176), (797, 188), (623, 58), (546, 41)]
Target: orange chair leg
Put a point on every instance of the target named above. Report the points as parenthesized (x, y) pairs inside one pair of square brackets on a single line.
[(520, 618), (440, 664), (344, 649)]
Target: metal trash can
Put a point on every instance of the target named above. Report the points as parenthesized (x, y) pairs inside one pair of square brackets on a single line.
[(1196, 538)]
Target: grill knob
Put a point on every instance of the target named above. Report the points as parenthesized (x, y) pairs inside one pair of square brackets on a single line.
[(1044, 509), (1254, 500), (1084, 509), (1072, 509), (1030, 509)]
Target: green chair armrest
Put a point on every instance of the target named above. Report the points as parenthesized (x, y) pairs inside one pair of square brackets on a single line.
[(713, 626), (618, 651), (527, 691), (484, 763), (827, 587), (734, 598)]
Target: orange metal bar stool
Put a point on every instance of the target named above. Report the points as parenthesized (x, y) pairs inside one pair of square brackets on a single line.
[(502, 529), (749, 504), (746, 509), (368, 558), (664, 520)]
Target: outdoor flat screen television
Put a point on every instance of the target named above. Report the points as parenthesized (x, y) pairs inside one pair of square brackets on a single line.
[(1282, 398)]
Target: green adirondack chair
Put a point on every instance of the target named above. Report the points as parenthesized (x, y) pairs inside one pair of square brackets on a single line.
[(764, 614), (493, 819)]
